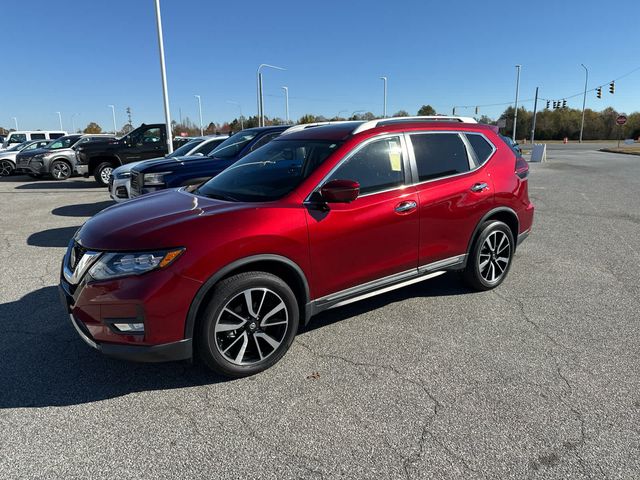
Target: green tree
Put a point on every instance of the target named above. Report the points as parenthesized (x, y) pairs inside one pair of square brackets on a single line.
[(426, 110), (401, 113), (93, 127)]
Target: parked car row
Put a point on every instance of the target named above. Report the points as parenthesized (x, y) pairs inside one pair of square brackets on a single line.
[(316, 217)]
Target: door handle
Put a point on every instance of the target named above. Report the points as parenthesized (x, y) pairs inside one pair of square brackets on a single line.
[(404, 207), (478, 187)]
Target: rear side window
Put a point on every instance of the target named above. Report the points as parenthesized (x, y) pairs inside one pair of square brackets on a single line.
[(439, 155), (377, 166), (481, 146), (38, 136), (53, 136)]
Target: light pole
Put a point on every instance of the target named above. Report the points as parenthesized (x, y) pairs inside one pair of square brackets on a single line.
[(15, 119), (533, 122), (384, 109), (260, 94), (113, 112), (163, 73), (584, 98), (60, 119), (515, 114), (286, 103), (240, 109), (73, 123), (338, 116), (200, 110)]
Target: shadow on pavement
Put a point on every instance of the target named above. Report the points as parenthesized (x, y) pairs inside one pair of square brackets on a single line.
[(82, 209), (54, 237), (65, 185), (45, 363), (16, 178)]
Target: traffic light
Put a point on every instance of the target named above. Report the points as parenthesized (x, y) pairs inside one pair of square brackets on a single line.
[(548, 102), (599, 92), (564, 104), (612, 88)]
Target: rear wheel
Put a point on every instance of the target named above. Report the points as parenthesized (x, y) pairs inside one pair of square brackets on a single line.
[(6, 168), (248, 325), (490, 257), (60, 170), (102, 173)]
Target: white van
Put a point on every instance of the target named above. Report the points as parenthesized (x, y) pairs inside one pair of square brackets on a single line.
[(26, 135)]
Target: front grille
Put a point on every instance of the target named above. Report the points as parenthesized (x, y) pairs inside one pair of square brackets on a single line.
[(136, 183), (121, 192), (77, 251), (110, 182)]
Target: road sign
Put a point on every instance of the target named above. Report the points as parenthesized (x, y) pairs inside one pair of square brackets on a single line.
[(621, 120)]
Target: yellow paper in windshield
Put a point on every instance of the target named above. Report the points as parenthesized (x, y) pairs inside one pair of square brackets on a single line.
[(395, 156)]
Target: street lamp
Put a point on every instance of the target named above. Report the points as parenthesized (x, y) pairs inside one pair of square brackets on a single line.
[(240, 109), (163, 74), (384, 110), (60, 119), (200, 110), (584, 98), (113, 112), (73, 123), (338, 116), (515, 115), (15, 119), (286, 103), (260, 95)]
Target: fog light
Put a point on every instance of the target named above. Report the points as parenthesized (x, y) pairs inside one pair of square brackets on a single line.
[(129, 327)]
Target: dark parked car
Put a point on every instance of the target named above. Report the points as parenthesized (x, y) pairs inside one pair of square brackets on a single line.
[(151, 176), (8, 156), (58, 158), (315, 219), (143, 143)]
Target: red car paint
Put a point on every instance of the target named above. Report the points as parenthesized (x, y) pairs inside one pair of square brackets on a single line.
[(347, 245)]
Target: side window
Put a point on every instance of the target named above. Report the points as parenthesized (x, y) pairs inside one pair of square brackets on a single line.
[(264, 140), (17, 138), (208, 147), (439, 155), (148, 136), (53, 136), (480, 145), (38, 136), (377, 166)]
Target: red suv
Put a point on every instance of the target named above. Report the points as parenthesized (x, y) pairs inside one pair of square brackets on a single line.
[(315, 219)]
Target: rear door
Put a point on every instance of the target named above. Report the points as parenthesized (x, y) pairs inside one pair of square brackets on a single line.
[(454, 192), (374, 236)]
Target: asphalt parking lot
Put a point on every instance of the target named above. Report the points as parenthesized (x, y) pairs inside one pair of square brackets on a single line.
[(537, 379)]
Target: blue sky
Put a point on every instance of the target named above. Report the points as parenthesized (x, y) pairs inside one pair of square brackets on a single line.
[(77, 57)]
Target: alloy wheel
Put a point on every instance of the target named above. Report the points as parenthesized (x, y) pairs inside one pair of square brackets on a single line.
[(251, 326), (105, 173), (495, 256), (6, 168), (60, 170)]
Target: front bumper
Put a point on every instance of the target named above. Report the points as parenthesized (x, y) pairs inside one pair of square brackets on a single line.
[(31, 166), (119, 189)]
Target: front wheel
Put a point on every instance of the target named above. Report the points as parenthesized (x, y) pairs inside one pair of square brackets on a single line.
[(490, 257), (248, 325), (60, 170), (102, 173), (6, 168)]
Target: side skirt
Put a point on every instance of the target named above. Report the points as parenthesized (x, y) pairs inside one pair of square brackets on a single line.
[(386, 284)]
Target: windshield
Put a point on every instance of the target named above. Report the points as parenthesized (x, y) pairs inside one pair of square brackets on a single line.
[(186, 148), (233, 145), (63, 142), (270, 172), (18, 147)]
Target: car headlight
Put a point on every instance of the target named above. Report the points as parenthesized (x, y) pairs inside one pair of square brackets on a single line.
[(155, 178), (121, 175), (114, 265)]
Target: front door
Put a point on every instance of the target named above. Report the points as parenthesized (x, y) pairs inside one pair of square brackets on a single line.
[(145, 144), (374, 236)]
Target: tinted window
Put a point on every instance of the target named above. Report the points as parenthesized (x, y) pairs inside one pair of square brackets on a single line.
[(482, 148), (264, 140), (439, 155), (53, 136), (233, 145), (377, 166), (270, 172), (185, 149), (17, 138), (146, 137), (63, 142), (208, 147), (38, 136)]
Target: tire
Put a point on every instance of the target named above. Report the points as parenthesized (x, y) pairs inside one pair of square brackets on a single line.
[(102, 173), (491, 256), (236, 340), (60, 170), (6, 168)]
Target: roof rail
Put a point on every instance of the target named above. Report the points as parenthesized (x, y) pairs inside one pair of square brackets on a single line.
[(304, 126), (427, 118)]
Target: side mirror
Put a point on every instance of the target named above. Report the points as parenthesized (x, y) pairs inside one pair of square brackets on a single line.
[(340, 191)]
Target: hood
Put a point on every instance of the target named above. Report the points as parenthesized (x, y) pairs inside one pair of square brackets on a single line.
[(163, 164), (127, 167), (99, 145), (33, 153), (165, 219)]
